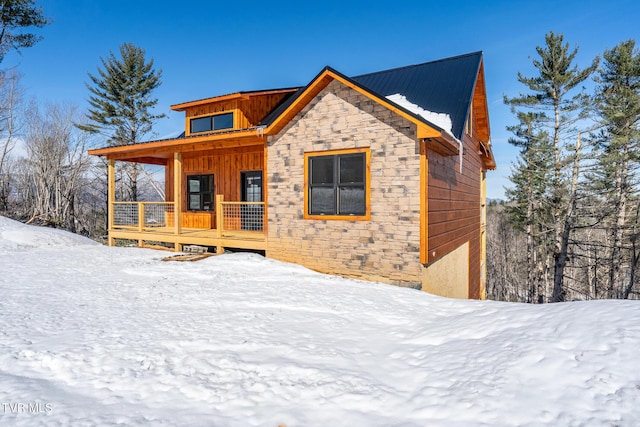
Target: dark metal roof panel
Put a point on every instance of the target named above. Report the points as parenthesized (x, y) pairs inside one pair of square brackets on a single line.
[(284, 104), (443, 86)]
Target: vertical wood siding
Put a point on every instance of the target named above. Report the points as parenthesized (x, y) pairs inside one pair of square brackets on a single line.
[(248, 112), (226, 165)]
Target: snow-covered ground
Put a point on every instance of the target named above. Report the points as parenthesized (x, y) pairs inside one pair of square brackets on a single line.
[(91, 335)]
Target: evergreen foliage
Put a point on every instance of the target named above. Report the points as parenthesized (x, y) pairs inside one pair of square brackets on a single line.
[(121, 97), (529, 172), (617, 104), (555, 106), (121, 102), (574, 208), (15, 16), (527, 211), (551, 90)]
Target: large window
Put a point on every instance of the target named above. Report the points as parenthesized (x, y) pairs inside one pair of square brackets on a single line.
[(337, 184), (200, 193), (209, 123)]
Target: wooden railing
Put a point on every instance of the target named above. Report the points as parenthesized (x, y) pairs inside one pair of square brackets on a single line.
[(142, 216), (239, 218), (233, 219)]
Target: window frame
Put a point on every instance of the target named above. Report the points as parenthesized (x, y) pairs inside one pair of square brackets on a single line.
[(366, 216), (211, 118), (212, 192)]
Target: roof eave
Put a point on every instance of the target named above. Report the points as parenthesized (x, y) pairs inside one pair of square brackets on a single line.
[(176, 144), (229, 97)]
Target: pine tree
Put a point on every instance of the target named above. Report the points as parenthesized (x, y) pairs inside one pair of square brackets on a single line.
[(15, 15), (550, 93), (617, 102), (121, 96), (121, 102), (527, 197)]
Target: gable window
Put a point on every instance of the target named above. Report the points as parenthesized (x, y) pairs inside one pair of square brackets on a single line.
[(209, 123), (337, 184), (200, 193)]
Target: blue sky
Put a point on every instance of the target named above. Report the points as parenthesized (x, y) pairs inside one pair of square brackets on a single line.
[(209, 48)]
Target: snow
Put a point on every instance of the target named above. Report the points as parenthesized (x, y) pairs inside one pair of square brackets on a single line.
[(442, 120), (91, 335)]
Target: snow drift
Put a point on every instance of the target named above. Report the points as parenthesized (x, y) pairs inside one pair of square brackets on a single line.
[(91, 335)]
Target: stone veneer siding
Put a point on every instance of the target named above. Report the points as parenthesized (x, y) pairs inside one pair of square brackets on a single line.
[(385, 248)]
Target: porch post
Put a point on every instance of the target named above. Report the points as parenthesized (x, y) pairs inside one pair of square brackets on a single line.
[(177, 196), (219, 221), (140, 222), (111, 198), (424, 203)]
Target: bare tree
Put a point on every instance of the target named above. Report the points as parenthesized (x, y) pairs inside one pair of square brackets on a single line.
[(10, 97), (53, 175), (506, 258)]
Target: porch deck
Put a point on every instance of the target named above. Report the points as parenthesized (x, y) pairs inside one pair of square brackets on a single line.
[(237, 225), (243, 239)]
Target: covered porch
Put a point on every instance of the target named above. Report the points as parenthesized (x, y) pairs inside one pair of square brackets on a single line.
[(238, 225), (214, 193)]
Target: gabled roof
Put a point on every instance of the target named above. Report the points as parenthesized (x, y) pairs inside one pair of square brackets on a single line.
[(443, 86), (418, 92), (275, 121)]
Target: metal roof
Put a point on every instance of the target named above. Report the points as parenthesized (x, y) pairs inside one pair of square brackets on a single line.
[(443, 86)]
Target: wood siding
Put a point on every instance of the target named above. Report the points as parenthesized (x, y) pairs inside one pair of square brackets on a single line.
[(247, 112), (480, 113), (226, 165), (454, 207)]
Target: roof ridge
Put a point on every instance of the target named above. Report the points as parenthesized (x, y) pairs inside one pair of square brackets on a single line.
[(451, 58)]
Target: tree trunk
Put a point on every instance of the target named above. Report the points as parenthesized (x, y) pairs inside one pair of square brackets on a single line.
[(567, 227), (619, 211)]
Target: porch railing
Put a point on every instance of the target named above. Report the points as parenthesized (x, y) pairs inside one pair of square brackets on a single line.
[(232, 218), (142, 215), (239, 217)]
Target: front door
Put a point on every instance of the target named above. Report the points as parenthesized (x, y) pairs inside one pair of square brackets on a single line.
[(252, 216)]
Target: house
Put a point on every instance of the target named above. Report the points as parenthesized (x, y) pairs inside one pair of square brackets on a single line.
[(378, 177)]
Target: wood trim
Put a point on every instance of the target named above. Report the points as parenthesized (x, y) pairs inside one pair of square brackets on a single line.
[(167, 147), (427, 131), (265, 192), (219, 213), (322, 81), (470, 118), (177, 191), (233, 96), (195, 237), (424, 204), (483, 234), (111, 198), (367, 187)]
